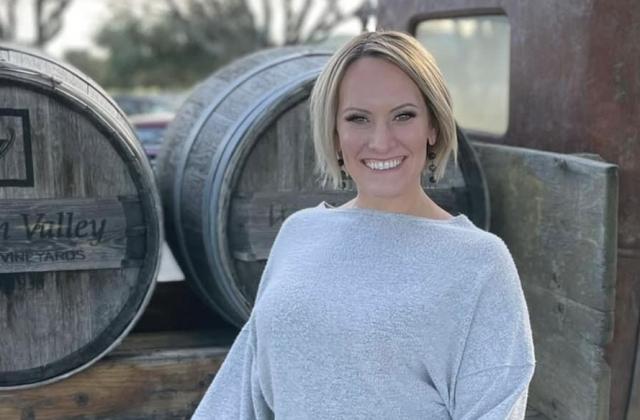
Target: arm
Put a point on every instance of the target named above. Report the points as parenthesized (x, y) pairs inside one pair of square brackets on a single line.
[(498, 393), (235, 392), (498, 360)]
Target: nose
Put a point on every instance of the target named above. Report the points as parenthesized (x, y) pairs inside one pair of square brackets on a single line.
[(381, 139)]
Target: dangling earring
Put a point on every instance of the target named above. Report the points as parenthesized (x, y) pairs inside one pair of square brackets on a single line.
[(344, 176), (432, 165)]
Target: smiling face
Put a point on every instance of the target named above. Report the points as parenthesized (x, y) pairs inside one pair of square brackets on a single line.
[(383, 125)]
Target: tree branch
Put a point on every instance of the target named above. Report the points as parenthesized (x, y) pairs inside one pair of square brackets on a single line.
[(329, 20), (10, 28), (190, 28), (48, 25), (301, 18), (288, 24), (268, 22)]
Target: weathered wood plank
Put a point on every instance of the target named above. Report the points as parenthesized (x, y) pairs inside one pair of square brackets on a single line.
[(558, 215), (574, 322), (571, 379), (633, 408), (62, 234), (565, 207), (150, 376), (533, 414)]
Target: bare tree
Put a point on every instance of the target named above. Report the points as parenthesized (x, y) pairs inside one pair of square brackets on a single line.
[(49, 22), (8, 20), (302, 24), (214, 23), (330, 16), (48, 19), (366, 13)]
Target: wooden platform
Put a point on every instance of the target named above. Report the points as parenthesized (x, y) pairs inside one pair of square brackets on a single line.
[(160, 371), (149, 376)]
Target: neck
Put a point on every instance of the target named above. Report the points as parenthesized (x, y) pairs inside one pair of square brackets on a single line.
[(416, 204)]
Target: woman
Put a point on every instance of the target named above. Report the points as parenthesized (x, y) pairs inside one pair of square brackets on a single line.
[(387, 307)]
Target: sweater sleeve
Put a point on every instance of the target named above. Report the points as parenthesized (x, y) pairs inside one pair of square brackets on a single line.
[(498, 359), (235, 393)]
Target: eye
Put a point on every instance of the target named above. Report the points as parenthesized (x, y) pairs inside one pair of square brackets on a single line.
[(404, 116), (356, 118)]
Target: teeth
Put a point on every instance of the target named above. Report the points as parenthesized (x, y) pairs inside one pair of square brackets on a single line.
[(382, 165)]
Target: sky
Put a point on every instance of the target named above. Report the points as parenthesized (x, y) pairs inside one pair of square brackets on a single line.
[(81, 20), (84, 17)]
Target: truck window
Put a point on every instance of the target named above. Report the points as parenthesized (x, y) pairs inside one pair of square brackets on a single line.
[(473, 54)]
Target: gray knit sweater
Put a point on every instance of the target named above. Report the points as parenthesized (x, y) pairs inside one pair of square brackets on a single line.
[(364, 314)]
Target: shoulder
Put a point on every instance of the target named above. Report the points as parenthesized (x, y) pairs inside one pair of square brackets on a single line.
[(486, 245), (303, 214), (303, 219), (478, 246), (296, 226), (500, 277), (484, 257), (496, 251), (498, 301)]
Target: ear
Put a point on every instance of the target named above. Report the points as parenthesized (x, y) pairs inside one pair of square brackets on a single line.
[(336, 143), (432, 136)]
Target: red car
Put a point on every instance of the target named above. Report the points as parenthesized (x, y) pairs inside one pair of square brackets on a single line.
[(150, 130)]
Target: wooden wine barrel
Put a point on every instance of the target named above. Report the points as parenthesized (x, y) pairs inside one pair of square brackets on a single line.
[(238, 159), (80, 221)]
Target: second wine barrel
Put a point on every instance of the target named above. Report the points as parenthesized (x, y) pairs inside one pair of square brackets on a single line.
[(238, 159)]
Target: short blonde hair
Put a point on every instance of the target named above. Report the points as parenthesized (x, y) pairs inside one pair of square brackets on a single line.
[(410, 56)]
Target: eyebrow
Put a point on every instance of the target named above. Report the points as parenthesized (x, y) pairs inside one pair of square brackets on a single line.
[(406, 104)]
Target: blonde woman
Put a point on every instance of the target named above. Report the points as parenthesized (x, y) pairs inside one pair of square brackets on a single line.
[(387, 307)]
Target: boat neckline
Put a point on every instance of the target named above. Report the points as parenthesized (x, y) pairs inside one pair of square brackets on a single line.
[(455, 219)]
